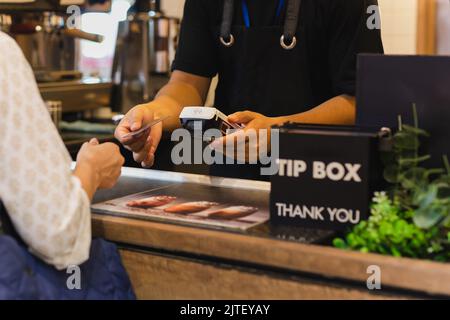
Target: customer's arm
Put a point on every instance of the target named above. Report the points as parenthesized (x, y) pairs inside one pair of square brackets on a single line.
[(48, 205)]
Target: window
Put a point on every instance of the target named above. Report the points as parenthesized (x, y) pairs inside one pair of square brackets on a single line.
[(96, 58)]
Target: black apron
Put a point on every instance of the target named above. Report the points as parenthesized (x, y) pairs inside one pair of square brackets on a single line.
[(263, 72), (257, 73)]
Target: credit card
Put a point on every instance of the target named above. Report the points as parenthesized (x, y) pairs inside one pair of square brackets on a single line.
[(144, 128)]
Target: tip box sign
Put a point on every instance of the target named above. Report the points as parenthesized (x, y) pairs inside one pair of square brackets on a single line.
[(326, 177)]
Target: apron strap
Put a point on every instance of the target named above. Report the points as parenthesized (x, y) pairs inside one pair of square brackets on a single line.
[(290, 25), (226, 37)]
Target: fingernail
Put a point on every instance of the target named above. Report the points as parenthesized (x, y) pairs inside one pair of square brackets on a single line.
[(145, 164)]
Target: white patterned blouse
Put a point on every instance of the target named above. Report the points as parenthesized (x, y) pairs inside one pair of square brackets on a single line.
[(46, 203)]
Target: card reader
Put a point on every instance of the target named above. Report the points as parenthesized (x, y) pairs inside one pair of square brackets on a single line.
[(210, 118)]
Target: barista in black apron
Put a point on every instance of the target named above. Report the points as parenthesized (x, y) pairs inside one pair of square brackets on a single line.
[(274, 57), (273, 69)]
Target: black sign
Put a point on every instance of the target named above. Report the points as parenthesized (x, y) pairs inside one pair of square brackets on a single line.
[(326, 177)]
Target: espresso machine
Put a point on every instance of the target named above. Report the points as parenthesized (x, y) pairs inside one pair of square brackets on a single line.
[(145, 48), (51, 47)]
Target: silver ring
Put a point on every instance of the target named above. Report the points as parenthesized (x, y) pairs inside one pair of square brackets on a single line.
[(229, 43), (291, 45)]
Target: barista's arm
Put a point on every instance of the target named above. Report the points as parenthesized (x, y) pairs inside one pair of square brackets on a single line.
[(339, 110), (183, 89)]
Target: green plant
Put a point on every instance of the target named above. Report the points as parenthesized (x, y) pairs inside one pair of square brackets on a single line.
[(415, 220), (390, 230), (425, 191)]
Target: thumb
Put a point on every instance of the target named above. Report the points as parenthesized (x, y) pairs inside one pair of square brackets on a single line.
[(136, 119), (94, 142), (242, 117)]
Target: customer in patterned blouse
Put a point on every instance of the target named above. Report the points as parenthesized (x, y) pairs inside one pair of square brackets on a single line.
[(48, 203)]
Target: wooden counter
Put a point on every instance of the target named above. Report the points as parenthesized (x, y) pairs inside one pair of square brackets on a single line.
[(168, 261), (173, 261)]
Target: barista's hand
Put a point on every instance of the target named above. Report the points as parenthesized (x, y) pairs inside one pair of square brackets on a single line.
[(252, 121), (144, 145)]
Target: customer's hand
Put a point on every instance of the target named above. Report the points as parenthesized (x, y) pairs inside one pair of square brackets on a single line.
[(144, 145), (103, 161)]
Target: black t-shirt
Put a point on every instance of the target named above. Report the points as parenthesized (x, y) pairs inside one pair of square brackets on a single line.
[(335, 32)]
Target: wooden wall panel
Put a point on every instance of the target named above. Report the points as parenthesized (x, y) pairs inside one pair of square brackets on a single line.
[(426, 27), (417, 275), (160, 277)]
